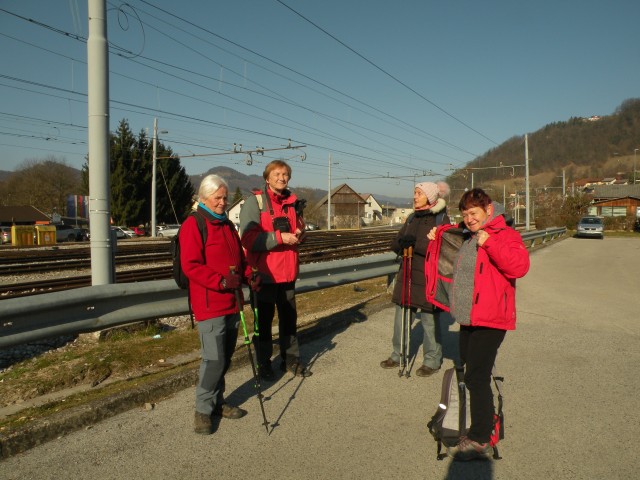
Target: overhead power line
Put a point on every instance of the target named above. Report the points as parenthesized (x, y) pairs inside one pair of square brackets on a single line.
[(396, 79), (253, 52)]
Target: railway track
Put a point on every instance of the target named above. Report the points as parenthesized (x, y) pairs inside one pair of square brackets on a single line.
[(317, 248)]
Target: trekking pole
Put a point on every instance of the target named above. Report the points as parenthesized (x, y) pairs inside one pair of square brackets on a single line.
[(247, 342), (254, 307), (408, 329), (403, 359)]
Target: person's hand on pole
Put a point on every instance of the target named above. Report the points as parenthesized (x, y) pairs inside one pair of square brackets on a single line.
[(407, 241), (231, 281), (255, 282)]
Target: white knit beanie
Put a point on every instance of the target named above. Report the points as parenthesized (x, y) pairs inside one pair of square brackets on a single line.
[(430, 189)]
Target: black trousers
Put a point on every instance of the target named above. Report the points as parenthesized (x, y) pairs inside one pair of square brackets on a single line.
[(478, 351), (280, 296)]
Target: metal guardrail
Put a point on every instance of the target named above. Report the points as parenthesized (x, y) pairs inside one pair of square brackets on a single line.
[(90, 309), (542, 236)]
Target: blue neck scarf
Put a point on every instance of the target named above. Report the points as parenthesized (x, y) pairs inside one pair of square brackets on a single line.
[(222, 217)]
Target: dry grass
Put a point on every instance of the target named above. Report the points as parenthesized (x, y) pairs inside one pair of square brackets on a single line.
[(134, 353)]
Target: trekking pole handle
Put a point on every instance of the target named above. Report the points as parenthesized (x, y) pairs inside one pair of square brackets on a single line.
[(240, 304)]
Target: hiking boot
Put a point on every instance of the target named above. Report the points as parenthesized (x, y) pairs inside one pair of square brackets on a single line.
[(228, 411), (202, 424), (389, 363), (266, 373), (468, 449), (297, 368), (425, 371)]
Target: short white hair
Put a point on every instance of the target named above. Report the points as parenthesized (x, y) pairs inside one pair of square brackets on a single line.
[(211, 184)]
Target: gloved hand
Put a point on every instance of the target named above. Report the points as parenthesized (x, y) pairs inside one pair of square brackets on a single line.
[(231, 281), (255, 282), (407, 241)]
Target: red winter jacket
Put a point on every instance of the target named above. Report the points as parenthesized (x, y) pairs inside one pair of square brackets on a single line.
[(277, 262), (205, 267), (500, 260)]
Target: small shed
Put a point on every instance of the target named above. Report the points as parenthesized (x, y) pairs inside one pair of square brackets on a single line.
[(616, 207), (616, 201), (22, 215), (347, 207)]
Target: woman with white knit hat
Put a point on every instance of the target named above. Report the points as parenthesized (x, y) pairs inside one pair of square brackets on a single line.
[(429, 211)]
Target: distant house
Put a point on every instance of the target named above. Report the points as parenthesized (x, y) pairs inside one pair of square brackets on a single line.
[(400, 214), (607, 192), (22, 215), (347, 207), (372, 209), (615, 201), (586, 183), (233, 212)]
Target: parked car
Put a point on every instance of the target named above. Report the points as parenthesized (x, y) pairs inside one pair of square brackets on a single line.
[(168, 230), (123, 232), (69, 233), (311, 226), (5, 235), (139, 231), (590, 226)]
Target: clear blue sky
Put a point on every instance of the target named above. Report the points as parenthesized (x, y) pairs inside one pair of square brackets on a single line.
[(389, 89)]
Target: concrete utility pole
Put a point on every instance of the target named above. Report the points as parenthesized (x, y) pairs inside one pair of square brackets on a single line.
[(102, 247), (329, 198), (635, 152), (526, 181), (153, 177)]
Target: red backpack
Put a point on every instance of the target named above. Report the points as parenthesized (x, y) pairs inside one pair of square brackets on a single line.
[(439, 262), (453, 417)]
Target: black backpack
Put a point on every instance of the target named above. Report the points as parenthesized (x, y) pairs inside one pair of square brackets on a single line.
[(453, 418), (178, 275)]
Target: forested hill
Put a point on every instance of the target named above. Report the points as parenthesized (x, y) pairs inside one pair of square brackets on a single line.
[(581, 145), (234, 178), (246, 183)]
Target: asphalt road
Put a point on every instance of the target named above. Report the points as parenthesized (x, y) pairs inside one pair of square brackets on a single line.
[(571, 399)]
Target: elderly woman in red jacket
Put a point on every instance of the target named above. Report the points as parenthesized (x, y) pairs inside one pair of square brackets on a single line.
[(483, 302), (212, 285)]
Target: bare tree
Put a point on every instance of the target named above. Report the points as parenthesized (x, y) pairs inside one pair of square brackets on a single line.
[(43, 184)]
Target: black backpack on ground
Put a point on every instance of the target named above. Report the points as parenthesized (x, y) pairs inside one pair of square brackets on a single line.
[(453, 417), (178, 275)]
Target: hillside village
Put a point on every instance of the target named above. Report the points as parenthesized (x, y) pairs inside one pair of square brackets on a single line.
[(589, 160)]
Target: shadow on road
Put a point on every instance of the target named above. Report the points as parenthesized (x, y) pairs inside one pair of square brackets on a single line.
[(474, 470), (314, 343)]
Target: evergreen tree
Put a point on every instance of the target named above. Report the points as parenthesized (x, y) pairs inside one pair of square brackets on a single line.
[(127, 176), (131, 167), (237, 196), (174, 194)]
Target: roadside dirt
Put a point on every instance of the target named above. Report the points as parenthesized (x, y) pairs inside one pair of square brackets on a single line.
[(100, 362)]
